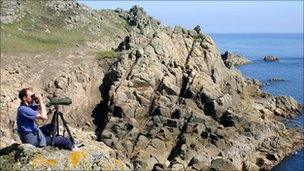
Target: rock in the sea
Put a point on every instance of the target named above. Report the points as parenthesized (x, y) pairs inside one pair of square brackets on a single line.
[(234, 59), (270, 58), (275, 79)]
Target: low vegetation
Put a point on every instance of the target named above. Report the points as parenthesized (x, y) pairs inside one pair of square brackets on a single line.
[(106, 54)]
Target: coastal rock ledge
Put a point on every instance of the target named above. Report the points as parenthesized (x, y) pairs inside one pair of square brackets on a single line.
[(167, 102), (230, 59)]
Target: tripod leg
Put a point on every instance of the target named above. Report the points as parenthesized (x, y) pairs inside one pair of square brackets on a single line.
[(57, 125), (54, 125), (66, 127)]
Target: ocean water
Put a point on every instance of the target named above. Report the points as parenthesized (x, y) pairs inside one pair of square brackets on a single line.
[(289, 49)]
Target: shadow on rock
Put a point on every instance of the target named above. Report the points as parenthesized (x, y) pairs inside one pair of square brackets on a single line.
[(100, 112), (9, 149)]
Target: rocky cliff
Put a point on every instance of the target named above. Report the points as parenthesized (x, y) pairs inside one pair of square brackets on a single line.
[(166, 101)]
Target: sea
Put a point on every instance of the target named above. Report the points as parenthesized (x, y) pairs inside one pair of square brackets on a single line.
[(289, 49)]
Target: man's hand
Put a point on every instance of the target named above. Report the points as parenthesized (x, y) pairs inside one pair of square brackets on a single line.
[(38, 96), (41, 108)]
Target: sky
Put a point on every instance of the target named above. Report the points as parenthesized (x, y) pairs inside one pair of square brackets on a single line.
[(220, 16)]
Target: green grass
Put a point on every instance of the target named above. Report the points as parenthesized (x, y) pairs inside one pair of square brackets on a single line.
[(30, 33), (43, 30), (106, 54), (13, 40)]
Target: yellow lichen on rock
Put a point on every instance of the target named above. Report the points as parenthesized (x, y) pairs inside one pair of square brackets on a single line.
[(76, 156), (118, 164), (42, 161)]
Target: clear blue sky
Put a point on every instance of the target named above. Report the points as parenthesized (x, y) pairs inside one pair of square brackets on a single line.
[(220, 16)]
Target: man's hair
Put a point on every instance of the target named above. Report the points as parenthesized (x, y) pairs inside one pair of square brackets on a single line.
[(22, 92)]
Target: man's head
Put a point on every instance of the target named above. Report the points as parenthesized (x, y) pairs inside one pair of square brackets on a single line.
[(25, 95)]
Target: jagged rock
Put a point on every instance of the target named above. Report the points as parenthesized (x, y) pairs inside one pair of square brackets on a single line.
[(227, 119), (286, 106), (248, 166), (198, 163), (198, 84), (169, 86), (96, 155), (119, 10), (252, 81), (270, 58), (273, 156), (178, 29), (221, 164), (198, 29), (192, 33), (159, 167), (231, 59), (177, 166), (138, 17)]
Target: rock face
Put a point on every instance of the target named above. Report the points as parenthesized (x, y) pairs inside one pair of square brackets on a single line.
[(171, 94), (270, 58), (169, 101), (234, 59), (93, 156)]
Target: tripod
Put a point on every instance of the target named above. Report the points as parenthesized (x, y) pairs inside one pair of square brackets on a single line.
[(55, 125)]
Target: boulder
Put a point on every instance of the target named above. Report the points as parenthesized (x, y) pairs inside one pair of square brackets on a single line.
[(253, 81), (231, 59), (221, 164), (198, 29), (270, 58), (287, 106), (95, 155)]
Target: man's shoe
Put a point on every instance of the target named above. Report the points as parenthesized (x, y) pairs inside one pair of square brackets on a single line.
[(78, 143)]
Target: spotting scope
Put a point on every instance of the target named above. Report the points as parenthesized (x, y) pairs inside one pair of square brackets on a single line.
[(54, 101)]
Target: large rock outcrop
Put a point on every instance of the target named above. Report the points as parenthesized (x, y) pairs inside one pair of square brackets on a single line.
[(171, 94)]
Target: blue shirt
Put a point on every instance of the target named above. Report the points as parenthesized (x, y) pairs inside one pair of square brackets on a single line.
[(26, 116)]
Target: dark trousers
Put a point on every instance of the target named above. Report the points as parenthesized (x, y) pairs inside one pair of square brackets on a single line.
[(59, 141)]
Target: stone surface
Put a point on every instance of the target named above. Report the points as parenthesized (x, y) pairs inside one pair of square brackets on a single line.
[(230, 59), (93, 155)]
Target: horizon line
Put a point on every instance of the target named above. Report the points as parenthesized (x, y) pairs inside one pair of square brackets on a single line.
[(257, 33)]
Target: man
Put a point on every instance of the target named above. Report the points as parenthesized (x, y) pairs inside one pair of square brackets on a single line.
[(28, 131)]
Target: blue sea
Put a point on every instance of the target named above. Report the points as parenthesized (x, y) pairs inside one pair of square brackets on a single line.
[(289, 49)]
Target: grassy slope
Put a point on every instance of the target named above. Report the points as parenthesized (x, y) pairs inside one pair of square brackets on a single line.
[(30, 34)]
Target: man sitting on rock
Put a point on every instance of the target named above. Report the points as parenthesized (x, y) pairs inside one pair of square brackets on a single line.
[(28, 131)]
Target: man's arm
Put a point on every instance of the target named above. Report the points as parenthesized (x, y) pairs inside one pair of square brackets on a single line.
[(41, 113)]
